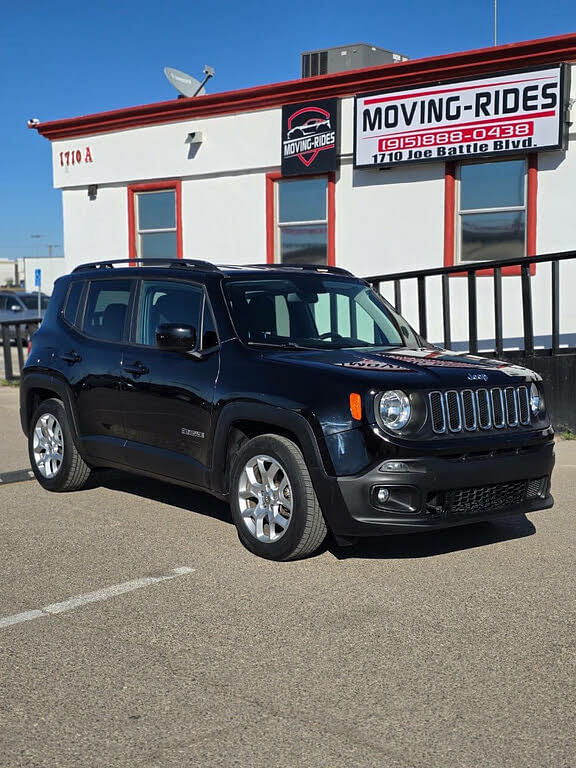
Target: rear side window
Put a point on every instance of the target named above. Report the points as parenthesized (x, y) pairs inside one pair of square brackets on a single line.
[(73, 302), (107, 308)]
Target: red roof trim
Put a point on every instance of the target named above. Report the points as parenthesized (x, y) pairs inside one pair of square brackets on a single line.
[(403, 74)]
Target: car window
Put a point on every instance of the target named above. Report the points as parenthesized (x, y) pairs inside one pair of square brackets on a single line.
[(73, 301), (106, 309), (30, 301), (311, 311), (2, 302), (167, 301)]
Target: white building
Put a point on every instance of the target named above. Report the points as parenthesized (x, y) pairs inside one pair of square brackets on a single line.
[(51, 268), (202, 178)]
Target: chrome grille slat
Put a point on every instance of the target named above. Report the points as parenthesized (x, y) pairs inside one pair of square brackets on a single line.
[(470, 410), (497, 403), (523, 405), (483, 409), (453, 411)]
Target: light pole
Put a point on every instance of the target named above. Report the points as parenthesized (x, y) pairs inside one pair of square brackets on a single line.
[(36, 237), (50, 246)]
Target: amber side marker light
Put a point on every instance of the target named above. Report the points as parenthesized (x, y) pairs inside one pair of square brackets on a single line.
[(356, 406)]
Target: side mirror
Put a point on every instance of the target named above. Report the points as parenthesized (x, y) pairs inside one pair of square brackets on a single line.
[(15, 308), (176, 337)]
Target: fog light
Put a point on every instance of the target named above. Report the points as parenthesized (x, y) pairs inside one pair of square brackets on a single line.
[(382, 495), (394, 466)]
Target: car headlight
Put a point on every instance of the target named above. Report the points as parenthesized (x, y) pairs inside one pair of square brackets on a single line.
[(536, 400), (394, 409)]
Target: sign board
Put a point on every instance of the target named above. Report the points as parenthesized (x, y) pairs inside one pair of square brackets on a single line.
[(310, 137), (37, 278), (492, 115)]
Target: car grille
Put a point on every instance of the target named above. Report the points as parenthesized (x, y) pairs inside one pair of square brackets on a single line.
[(470, 410), (463, 502)]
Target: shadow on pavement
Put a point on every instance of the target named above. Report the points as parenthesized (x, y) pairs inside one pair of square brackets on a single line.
[(165, 493), (422, 544), (397, 546)]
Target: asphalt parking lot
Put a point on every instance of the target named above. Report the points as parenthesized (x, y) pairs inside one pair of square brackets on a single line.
[(452, 649)]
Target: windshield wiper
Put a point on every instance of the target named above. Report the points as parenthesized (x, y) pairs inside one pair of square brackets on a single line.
[(279, 345)]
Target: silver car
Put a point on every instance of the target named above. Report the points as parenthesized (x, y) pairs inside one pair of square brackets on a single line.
[(17, 306)]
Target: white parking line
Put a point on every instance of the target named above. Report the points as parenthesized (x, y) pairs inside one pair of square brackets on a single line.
[(92, 597)]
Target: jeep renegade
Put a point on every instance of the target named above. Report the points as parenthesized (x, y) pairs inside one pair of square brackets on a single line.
[(296, 393)]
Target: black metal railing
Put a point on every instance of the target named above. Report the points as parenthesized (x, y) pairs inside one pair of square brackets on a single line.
[(486, 270), (16, 334)]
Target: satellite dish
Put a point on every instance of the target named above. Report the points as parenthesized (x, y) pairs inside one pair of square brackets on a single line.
[(186, 85)]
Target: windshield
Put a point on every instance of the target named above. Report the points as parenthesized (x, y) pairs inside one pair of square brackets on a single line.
[(315, 312), (31, 301)]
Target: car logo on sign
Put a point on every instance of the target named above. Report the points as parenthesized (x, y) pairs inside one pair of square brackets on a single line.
[(477, 377)]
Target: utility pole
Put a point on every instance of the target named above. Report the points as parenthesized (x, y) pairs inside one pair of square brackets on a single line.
[(495, 22)]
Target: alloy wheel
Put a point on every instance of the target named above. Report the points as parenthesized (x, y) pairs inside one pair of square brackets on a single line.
[(265, 498), (48, 445)]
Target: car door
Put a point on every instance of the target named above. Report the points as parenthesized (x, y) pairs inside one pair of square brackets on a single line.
[(168, 395), (94, 359)]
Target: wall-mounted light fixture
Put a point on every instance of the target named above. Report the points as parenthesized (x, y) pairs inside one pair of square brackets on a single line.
[(196, 137), (92, 191)]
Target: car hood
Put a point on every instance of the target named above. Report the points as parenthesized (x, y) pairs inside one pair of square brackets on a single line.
[(403, 366)]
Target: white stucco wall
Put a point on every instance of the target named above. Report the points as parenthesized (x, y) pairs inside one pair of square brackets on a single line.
[(95, 229), (386, 221)]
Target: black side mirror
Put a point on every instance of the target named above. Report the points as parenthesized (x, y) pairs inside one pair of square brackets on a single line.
[(176, 337)]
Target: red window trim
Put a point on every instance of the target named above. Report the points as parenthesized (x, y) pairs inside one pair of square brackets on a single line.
[(450, 218), (156, 186), (271, 179)]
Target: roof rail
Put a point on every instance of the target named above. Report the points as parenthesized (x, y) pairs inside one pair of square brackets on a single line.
[(206, 266), (311, 267)]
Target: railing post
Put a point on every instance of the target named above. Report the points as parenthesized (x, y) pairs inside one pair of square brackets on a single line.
[(446, 311), (8, 373), (398, 296), (19, 347), (527, 310), (422, 306), (472, 312), (555, 307), (498, 341)]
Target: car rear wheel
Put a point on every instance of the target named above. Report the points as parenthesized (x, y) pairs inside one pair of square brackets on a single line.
[(274, 506), (54, 458)]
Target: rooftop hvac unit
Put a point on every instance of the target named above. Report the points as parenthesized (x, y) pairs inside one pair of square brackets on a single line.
[(346, 58)]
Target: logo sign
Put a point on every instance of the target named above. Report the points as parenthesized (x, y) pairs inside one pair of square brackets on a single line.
[(477, 377), (310, 134), (37, 278), (492, 115)]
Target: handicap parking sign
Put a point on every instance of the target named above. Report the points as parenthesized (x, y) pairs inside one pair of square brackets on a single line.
[(37, 278)]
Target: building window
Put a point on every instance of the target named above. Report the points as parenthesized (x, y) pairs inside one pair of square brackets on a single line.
[(300, 220), (491, 214), (155, 221)]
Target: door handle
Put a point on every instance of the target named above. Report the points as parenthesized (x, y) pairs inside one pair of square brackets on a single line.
[(136, 369), (70, 357)]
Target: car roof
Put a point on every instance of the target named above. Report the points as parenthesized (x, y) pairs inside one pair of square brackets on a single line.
[(183, 266)]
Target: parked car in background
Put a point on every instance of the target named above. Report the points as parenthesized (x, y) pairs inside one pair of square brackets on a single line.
[(18, 306)]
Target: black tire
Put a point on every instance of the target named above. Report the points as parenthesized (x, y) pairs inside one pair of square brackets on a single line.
[(73, 472), (306, 529)]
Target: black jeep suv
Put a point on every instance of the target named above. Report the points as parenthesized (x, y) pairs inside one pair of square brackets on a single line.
[(295, 392)]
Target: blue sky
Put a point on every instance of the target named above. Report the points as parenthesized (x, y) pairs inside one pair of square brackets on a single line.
[(68, 57)]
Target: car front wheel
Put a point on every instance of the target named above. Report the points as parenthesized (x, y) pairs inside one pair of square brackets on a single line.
[(274, 506)]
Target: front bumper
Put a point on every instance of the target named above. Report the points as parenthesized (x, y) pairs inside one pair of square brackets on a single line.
[(438, 492)]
